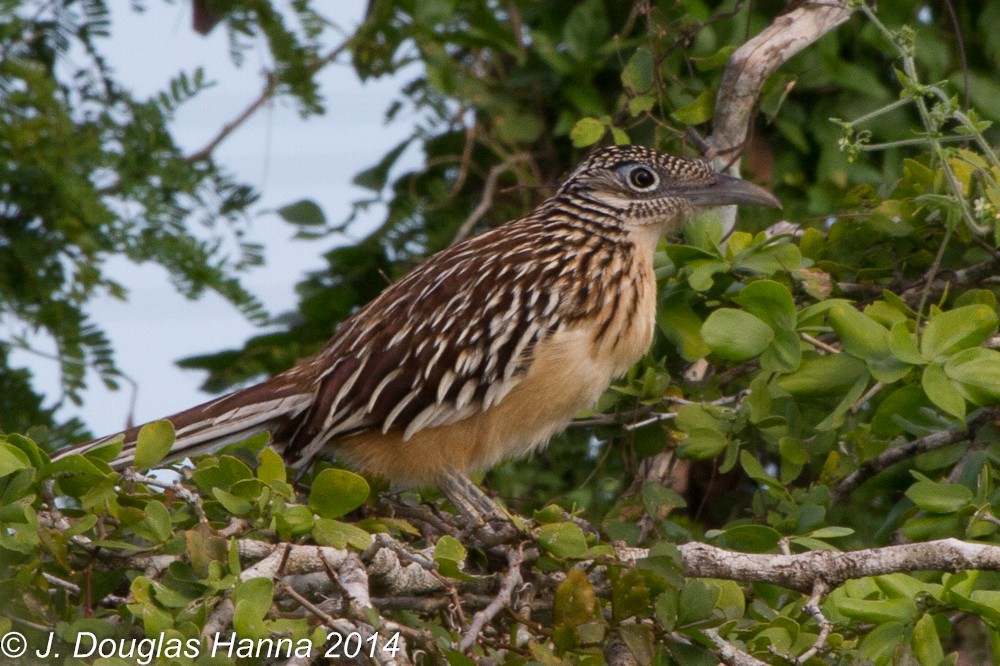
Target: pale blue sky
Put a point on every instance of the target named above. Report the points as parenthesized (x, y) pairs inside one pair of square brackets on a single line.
[(284, 157)]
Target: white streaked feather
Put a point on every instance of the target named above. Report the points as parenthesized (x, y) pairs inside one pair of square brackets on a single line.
[(465, 395), (446, 381), (349, 383), (377, 391), (397, 409)]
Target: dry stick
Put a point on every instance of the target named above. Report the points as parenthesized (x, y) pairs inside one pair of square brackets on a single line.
[(341, 626), (489, 190), (617, 653), (750, 65), (825, 626), (935, 440), (270, 88), (191, 498), (801, 571), (729, 653), (511, 580)]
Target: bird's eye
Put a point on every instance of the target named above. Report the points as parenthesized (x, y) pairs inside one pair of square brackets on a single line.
[(641, 178)]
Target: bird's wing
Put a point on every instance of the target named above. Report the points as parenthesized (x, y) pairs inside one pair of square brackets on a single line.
[(447, 341)]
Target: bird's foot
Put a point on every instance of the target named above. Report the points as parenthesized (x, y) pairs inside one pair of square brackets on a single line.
[(484, 516)]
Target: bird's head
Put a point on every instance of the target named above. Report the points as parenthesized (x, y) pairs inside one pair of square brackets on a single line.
[(647, 188)]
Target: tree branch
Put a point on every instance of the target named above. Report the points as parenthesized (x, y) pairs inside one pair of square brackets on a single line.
[(801, 571), (270, 88), (749, 67), (935, 440), (511, 580)]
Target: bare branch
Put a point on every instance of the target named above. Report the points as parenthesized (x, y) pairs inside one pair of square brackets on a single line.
[(801, 571), (751, 65), (270, 88), (729, 653), (825, 626), (511, 580), (489, 190), (906, 451)]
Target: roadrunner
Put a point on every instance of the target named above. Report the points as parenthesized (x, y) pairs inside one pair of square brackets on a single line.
[(491, 346)]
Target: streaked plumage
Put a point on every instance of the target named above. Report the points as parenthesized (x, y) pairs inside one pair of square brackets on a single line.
[(492, 345)]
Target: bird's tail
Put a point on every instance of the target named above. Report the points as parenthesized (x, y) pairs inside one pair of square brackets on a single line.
[(217, 423)]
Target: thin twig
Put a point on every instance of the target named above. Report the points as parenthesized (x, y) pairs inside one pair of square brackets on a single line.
[(825, 626), (863, 400), (489, 190), (819, 344), (191, 498), (270, 88), (729, 654), (935, 440), (511, 580)]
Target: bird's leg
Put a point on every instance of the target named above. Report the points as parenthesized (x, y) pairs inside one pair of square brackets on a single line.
[(470, 501)]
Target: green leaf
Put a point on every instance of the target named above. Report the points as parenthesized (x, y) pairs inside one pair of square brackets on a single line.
[(835, 418), (565, 540), (926, 642), (862, 336), (336, 492), (271, 468), (903, 344), (232, 503), (154, 443), (702, 444), (831, 532), (682, 326), (158, 520), (696, 603), (666, 609), (716, 60), (638, 73), (620, 136), (586, 132), (977, 372), (641, 104), (338, 534), (771, 302), (955, 330), (449, 553), (697, 112), (573, 604), (755, 470), (820, 376), (904, 410), (303, 213), (942, 392), (639, 639), (656, 497), (12, 459), (205, 548), (296, 520), (736, 335), (939, 497), (374, 178), (748, 538), (585, 29), (252, 599), (877, 611)]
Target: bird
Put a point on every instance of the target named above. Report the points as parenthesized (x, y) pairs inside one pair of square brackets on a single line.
[(487, 349)]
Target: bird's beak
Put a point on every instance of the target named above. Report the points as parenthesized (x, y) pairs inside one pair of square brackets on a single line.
[(725, 191)]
